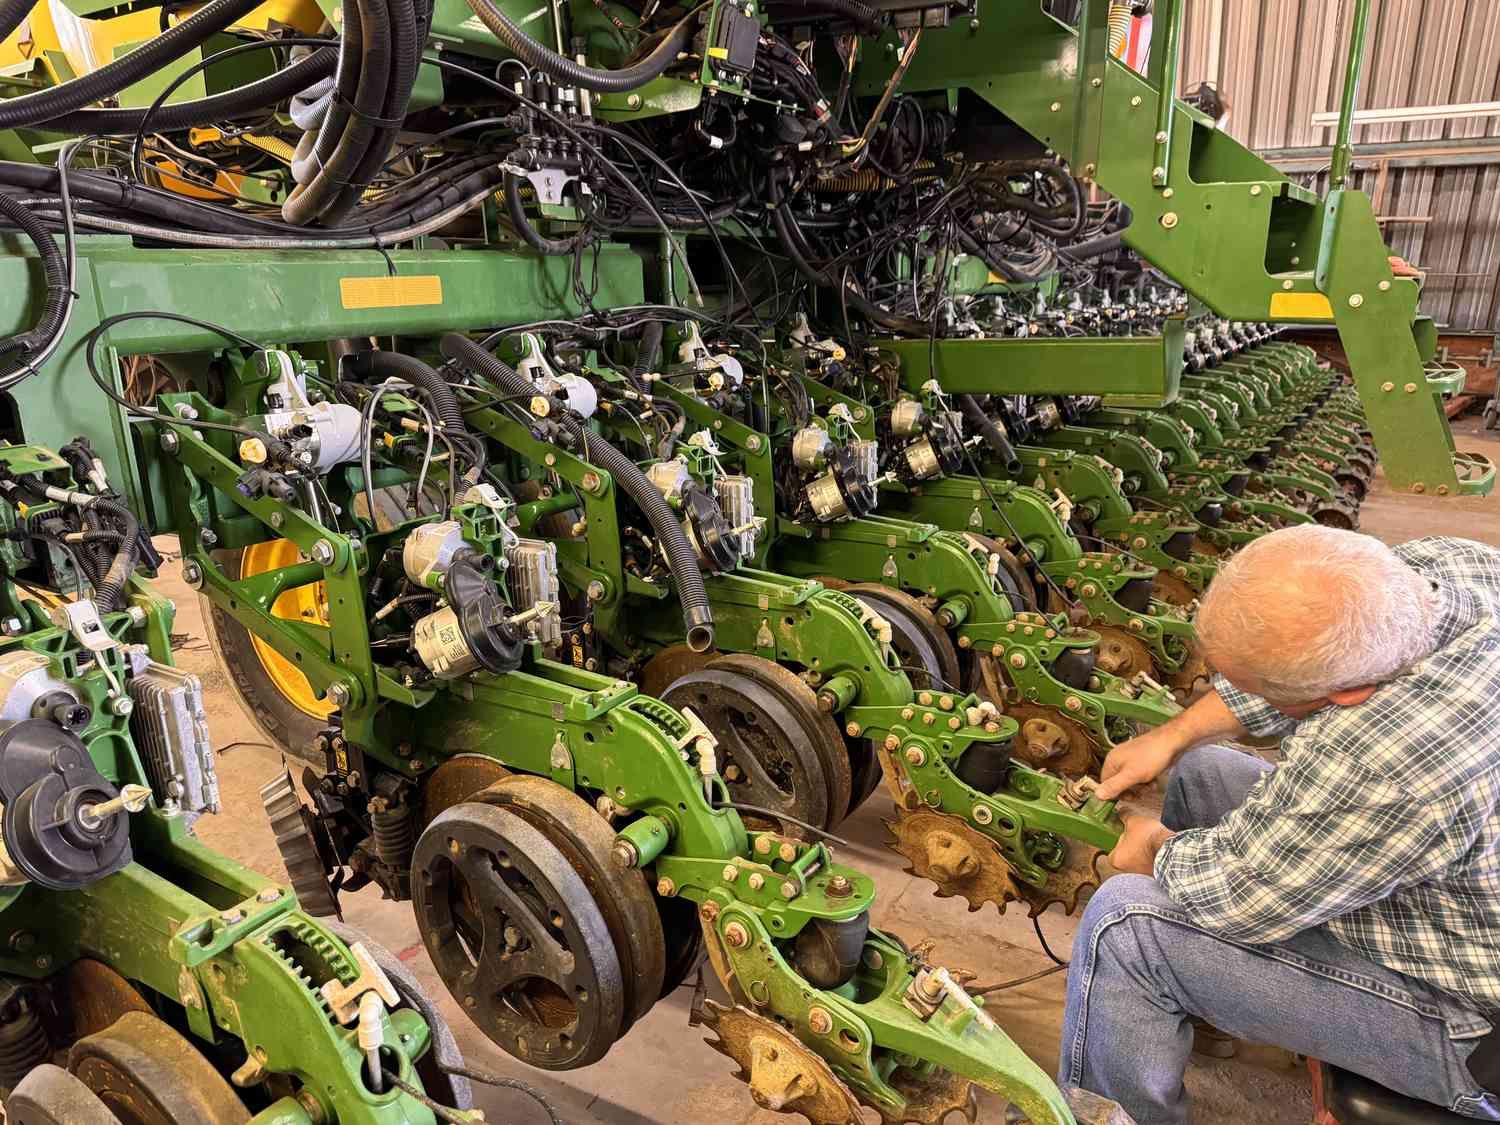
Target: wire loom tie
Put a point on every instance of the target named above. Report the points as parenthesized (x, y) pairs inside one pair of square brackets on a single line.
[(378, 122)]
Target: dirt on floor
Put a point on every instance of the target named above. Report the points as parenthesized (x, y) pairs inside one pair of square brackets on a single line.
[(662, 1071)]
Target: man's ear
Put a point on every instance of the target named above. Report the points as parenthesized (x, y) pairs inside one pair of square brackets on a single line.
[(1351, 697)]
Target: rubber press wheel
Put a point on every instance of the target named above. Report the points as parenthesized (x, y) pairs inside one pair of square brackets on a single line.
[(148, 1074), (272, 689), (49, 1095)]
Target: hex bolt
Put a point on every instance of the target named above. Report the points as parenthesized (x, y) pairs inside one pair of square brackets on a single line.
[(787, 852), (752, 443), (1073, 703), (591, 482), (709, 911), (339, 695), (915, 756), (852, 730), (982, 814), (624, 854), (840, 886), (1255, 189), (1161, 137), (322, 552), (819, 1022), (665, 887), (730, 873), (756, 880), (791, 889), (596, 591), (207, 537), (1018, 660), (1383, 286), (277, 519), (633, 101), (121, 706), (192, 574), (1169, 220), (736, 936), (925, 699), (270, 894), (907, 713), (1356, 299), (1055, 106), (169, 441), (763, 845), (232, 916)]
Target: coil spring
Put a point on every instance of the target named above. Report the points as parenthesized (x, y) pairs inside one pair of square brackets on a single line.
[(23, 1045), (394, 835)]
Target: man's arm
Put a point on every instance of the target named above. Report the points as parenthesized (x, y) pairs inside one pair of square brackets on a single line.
[(1148, 756), (1320, 837)]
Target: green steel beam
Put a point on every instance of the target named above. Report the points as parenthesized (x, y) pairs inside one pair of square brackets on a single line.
[(1128, 370)]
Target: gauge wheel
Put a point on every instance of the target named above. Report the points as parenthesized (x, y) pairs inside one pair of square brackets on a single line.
[(517, 937), (272, 689), (766, 756), (49, 1095), (585, 839), (148, 1074)]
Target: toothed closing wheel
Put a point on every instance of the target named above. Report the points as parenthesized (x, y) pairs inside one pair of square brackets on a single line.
[(784, 1076)]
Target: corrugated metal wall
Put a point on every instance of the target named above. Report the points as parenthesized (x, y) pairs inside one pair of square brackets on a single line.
[(1280, 61)]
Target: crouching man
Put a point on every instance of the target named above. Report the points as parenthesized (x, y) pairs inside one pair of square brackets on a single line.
[(1344, 904)]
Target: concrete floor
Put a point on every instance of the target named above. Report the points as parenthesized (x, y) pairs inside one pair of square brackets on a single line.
[(662, 1071)]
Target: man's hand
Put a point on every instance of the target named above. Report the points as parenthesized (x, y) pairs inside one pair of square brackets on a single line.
[(1137, 762), (1138, 844)]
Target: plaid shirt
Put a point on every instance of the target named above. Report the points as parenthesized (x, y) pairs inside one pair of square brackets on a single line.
[(1383, 819)]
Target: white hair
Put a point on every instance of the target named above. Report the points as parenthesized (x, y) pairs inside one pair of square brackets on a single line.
[(1311, 610)]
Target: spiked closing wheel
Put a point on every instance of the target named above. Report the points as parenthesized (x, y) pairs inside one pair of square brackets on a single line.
[(517, 938), (1123, 654), (1167, 587), (784, 1076), (1050, 740), (962, 861)]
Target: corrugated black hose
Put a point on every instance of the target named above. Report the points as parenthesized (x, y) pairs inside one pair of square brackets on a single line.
[(993, 435), (682, 560), (15, 350)]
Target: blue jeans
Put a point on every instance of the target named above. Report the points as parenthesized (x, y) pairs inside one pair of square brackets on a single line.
[(1140, 970)]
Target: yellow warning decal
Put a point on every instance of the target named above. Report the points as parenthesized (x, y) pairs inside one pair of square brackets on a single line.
[(1301, 306), (718, 52), (390, 292)]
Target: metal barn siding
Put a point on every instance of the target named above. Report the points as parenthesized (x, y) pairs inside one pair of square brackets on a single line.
[(1280, 61)]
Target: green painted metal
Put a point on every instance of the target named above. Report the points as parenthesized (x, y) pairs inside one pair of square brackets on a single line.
[(1234, 231), (1131, 370)]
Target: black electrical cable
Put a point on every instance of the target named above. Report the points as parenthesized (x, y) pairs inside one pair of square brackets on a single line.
[(682, 560), (12, 12), (515, 209), (258, 95), (110, 79), (570, 73), (382, 364)]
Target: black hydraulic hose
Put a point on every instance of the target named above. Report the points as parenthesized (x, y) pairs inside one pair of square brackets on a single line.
[(383, 365), (406, 58), (310, 200), (55, 276), (1094, 248), (865, 16), (12, 12), (112, 585), (110, 79), (993, 435), (315, 148), (529, 234), (632, 77), (258, 95), (796, 247), (682, 560)]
